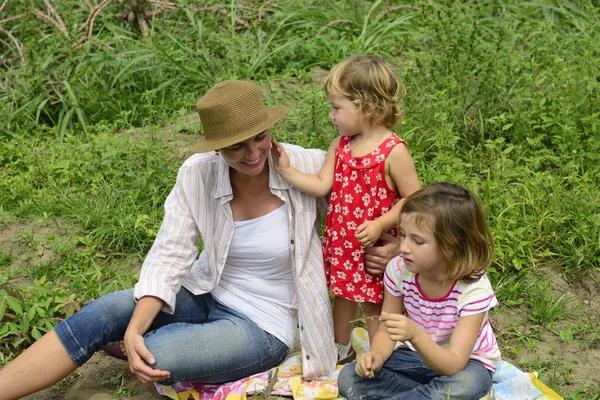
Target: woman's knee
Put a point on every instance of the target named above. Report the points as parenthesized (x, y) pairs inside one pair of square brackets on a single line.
[(112, 306)]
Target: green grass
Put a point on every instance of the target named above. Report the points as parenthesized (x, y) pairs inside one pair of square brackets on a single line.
[(501, 96)]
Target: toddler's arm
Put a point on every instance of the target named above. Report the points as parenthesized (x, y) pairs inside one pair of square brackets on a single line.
[(444, 362), (316, 185), (368, 232), (400, 168), (377, 257)]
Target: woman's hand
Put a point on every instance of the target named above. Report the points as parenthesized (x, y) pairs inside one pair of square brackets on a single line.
[(399, 327), (369, 232), (377, 257), (368, 363), (139, 358), (281, 161)]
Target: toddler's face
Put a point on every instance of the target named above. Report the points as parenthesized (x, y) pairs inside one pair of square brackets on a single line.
[(345, 115)]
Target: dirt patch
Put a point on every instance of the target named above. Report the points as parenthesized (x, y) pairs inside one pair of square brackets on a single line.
[(29, 243), (565, 352)]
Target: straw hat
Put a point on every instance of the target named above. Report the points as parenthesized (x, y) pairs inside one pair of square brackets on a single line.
[(231, 112)]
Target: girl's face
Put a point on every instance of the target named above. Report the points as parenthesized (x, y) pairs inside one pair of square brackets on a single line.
[(248, 157), (419, 247), (345, 115)]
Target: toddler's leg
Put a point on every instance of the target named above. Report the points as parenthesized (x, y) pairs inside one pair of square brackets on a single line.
[(372, 312), (344, 311)]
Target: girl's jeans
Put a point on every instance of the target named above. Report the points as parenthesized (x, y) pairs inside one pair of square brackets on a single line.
[(203, 341), (405, 376)]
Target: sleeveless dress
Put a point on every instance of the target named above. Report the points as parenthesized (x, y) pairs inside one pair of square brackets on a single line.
[(359, 193)]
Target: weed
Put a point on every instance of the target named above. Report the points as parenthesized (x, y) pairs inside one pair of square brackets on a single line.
[(27, 239), (5, 259), (525, 336), (546, 308), (119, 384), (566, 335)]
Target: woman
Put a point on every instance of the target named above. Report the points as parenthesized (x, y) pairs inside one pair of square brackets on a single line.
[(234, 311)]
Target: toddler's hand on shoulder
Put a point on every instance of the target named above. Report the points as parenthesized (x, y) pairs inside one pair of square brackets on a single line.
[(281, 161), (368, 232)]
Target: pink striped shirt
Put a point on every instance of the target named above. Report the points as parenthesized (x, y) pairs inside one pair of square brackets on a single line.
[(438, 317), (198, 207)]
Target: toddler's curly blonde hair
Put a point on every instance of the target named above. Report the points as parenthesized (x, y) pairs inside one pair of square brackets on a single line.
[(372, 85)]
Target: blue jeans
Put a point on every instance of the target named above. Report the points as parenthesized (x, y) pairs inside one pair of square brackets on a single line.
[(203, 341), (405, 376)]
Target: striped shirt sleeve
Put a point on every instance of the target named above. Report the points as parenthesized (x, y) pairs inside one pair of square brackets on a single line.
[(478, 297)]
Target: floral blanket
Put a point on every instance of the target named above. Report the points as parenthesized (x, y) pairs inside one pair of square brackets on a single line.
[(510, 383)]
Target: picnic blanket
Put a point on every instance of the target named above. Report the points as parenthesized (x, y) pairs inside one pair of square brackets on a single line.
[(509, 383)]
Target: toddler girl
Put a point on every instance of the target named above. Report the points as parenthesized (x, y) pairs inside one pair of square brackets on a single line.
[(436, 303), (367, 170)]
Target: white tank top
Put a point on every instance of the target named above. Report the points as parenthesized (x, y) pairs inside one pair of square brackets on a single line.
[(257, 279)]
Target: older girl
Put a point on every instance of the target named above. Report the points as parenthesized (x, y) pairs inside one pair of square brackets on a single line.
[(436, 305)]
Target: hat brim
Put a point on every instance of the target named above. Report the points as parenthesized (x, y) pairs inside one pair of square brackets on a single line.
[(275, 114)]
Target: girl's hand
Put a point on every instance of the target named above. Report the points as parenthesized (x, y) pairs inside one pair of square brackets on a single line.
[(368, 363), (139, 358), (368, 232), (281, 161), (399, 327)]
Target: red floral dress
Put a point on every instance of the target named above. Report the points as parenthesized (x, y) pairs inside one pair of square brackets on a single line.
[(359, 193)]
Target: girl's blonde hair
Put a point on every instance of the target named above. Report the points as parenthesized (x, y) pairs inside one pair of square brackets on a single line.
[(372, 85), (456, 217)]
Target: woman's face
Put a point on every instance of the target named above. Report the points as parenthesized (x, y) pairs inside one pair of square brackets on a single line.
[(248, 157)]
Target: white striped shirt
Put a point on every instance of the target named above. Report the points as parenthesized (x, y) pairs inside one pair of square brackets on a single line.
[(198, 206), (438, 317)]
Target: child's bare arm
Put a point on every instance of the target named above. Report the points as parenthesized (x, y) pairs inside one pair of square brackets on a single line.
[(382, 345), (402, 172), (445, 362), (377, 257), (316, 185)]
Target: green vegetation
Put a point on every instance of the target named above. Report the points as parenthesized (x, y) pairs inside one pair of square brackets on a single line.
[(119, 384), (501, 96)]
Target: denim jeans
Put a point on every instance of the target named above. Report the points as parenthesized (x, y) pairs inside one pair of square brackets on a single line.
[(405, 376), (203, 341)]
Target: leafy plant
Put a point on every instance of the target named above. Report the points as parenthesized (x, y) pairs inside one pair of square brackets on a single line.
[(120, 386)]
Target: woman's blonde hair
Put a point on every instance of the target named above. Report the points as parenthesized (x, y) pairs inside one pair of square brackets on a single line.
[(456, 217), (372, 85)]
